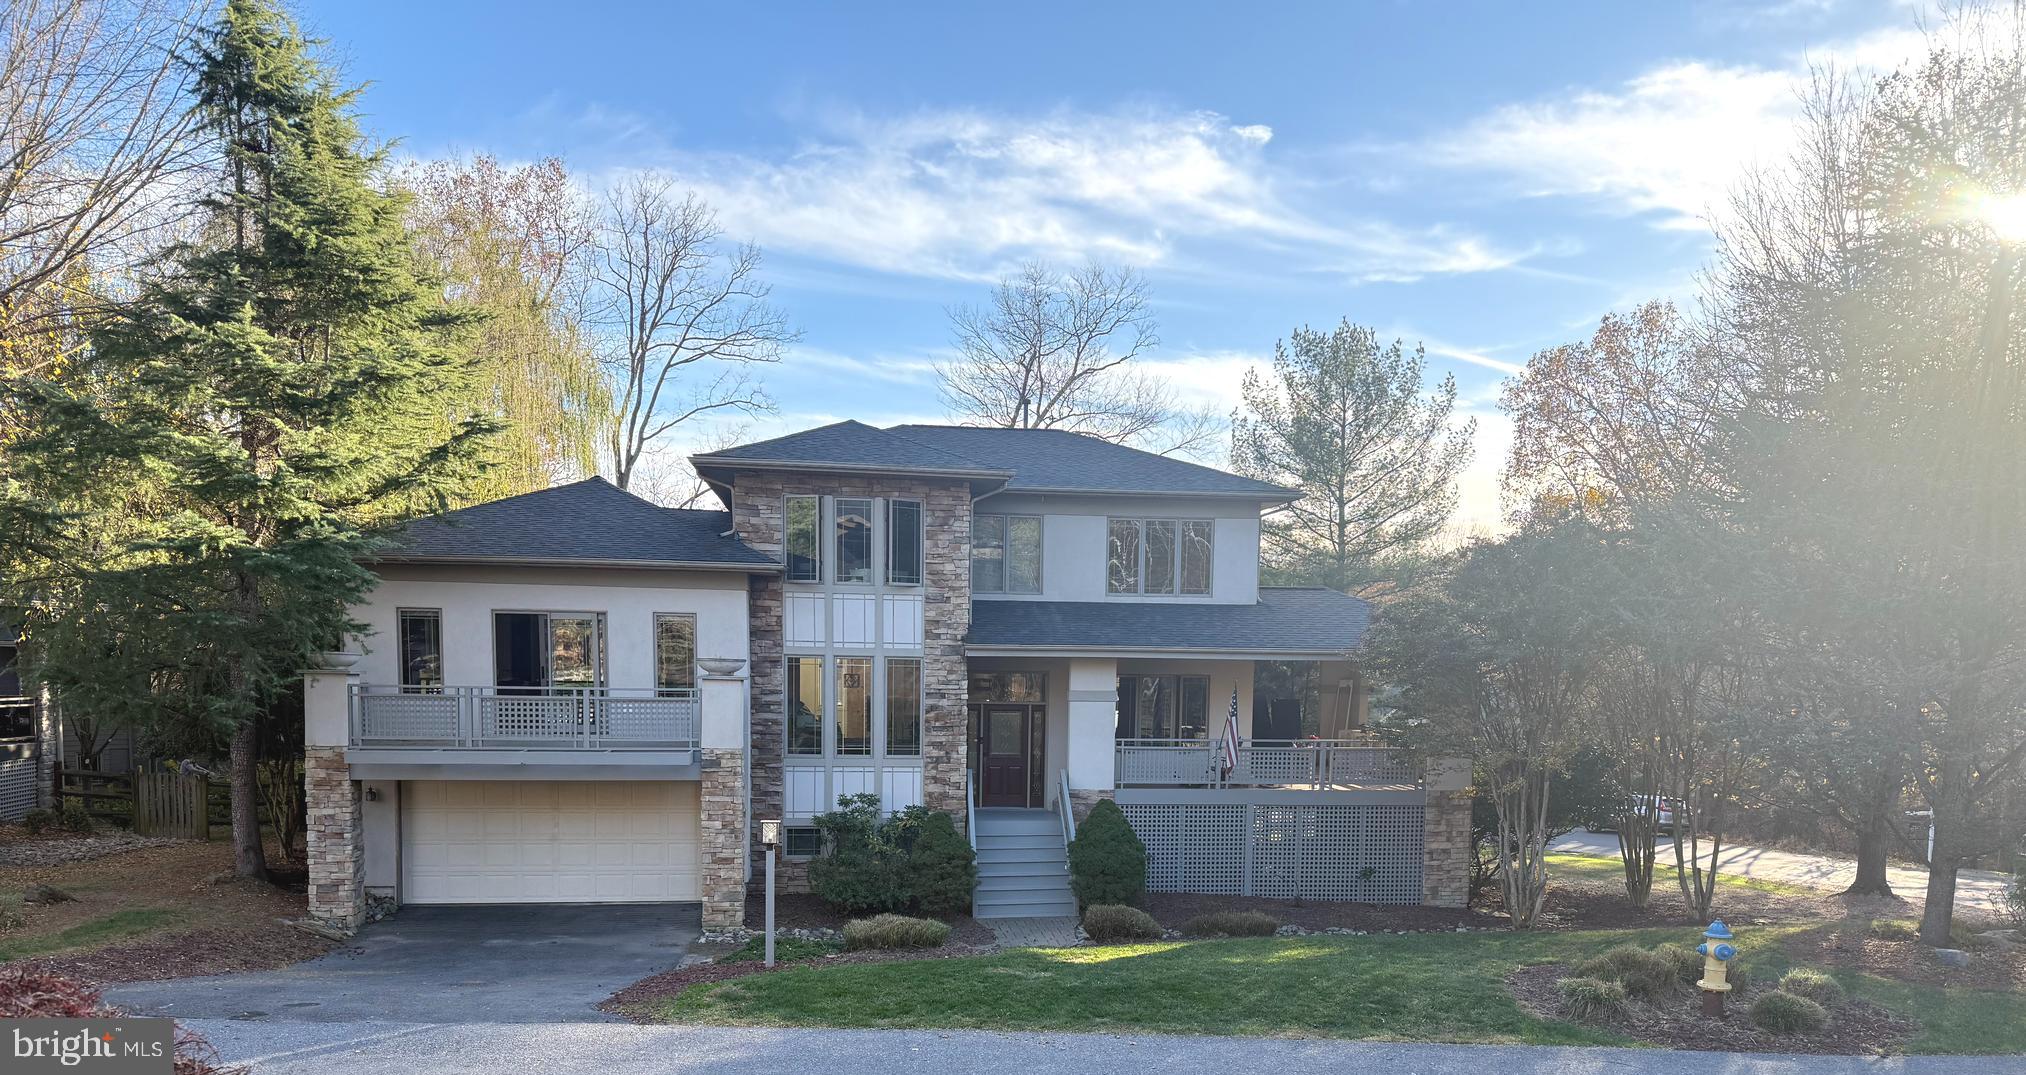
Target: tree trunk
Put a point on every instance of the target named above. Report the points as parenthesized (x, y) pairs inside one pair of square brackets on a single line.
[(249, 858), (1938, 918), (1872, 844)]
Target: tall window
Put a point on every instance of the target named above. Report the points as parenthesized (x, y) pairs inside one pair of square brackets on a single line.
[(1164, 707), (903, 542), (854, 706), (805, 705), (1006, 554), (17, 712), (421, 649), (802, 543), (903, 706), (1159, 556), (674, 651), (854, 539)]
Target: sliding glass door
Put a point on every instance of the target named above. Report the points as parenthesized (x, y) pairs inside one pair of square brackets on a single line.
[(537, 651)]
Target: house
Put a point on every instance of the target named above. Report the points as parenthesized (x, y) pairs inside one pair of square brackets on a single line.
[(576, 695)]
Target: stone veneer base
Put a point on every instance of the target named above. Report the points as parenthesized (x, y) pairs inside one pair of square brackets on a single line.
[(722, 845), (337, 859), (1445, 865)]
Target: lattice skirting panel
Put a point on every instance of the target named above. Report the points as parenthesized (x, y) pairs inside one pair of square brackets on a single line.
[(1368, 853)]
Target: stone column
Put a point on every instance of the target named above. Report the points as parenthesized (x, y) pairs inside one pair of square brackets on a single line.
[(337, 857), (1445, 864), (722, 835)]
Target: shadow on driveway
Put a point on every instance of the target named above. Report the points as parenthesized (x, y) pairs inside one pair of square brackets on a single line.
[(491, 964)]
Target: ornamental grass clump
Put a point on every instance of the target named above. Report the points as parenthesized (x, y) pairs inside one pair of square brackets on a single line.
[(1591, 998), (1785, 1013), (1812, 984), (894, 931), (1646, 975), (1687, 962), (1110, 923)]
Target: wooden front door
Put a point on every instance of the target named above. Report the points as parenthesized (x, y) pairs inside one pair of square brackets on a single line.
[(1005, 745)]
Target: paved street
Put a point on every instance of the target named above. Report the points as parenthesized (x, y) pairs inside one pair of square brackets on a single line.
[(487, 1049), (1976, 890)]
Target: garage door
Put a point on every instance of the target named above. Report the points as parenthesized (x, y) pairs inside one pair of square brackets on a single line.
[(570, 841)]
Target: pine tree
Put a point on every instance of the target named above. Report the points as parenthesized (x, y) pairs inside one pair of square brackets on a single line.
[(278, 389)]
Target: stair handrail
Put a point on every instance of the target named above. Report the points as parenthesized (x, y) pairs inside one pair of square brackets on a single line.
[(1068, 814), (971, 813)]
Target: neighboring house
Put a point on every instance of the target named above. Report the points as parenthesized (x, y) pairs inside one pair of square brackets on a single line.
[(575, 695)]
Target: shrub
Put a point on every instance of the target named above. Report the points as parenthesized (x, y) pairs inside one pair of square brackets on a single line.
[(894, 931), (12, 916), (1107, 861), (1687, 962), (786, 950), (912, 861), (941, 867), (1646, 975), (2014, 901), (1590, 998), (1893, 929), (1785, 1013), (1812, 984), (1109, 923), (38, 822), (1231, 924), (73, 817)]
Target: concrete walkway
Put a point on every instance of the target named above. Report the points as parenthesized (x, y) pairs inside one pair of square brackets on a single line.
[(1976, 890), (500, 964), (1033, 932), (413, 1049)]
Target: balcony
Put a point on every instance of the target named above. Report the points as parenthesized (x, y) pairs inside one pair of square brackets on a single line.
[(399, 732), (1312, 765)]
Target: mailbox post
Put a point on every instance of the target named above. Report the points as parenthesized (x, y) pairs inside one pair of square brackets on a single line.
[(770, 839)]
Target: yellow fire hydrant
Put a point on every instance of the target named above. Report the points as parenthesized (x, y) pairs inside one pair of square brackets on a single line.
[(1717, 953)]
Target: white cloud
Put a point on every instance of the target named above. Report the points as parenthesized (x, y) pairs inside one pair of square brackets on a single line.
[(1671, 141), (966, 194)]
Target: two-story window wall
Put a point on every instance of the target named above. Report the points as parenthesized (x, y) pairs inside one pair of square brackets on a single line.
[(852, 638)]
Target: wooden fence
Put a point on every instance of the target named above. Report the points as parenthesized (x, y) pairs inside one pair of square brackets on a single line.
[(172, 804)]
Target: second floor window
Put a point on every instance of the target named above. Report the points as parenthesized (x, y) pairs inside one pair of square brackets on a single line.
[(903, 542), (674, 652), (802, 543), (1159, 556), (421, 649), (1006, 554), (854, 539)]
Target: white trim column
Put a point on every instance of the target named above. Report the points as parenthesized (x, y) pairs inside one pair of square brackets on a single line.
[(1092, 747)]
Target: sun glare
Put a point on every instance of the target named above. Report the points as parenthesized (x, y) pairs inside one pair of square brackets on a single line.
[(2006, 213)]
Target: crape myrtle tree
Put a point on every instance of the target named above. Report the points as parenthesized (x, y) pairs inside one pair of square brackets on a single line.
[(1495, 660), (277, 387), (1350, 423), (1877, 286)]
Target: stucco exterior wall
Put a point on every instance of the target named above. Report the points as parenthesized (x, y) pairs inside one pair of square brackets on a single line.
[(1074, 531)]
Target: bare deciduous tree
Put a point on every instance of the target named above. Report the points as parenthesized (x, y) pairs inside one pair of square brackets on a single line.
[(93, 126), (1056, 352), (683, 320)]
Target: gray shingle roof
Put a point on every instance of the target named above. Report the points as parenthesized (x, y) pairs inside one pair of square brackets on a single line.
[(843, 444), (1291, 620), (1033, 460), (588, 521)]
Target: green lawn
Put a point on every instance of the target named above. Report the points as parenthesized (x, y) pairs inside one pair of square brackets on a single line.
[(1607, 868), (1425, 987), (116, 926)]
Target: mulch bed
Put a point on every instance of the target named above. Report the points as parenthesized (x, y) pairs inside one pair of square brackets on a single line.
[(185, 955), (1856, 1027), (1171, 909), (801, 910), (641, 1000), (1850, 944), (1602, 905), (20, 849)]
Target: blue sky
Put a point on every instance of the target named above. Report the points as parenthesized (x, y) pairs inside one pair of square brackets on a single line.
[(1486, 179)]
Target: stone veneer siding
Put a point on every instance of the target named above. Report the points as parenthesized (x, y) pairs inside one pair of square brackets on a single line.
[(722, 830), (337, 856), (1082, 799), (757, 506), (1445, 866)]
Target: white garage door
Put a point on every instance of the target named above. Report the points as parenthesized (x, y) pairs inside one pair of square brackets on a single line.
[(566, 841)]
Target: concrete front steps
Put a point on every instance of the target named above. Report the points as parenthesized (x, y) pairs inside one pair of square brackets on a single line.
[(1023, 871)]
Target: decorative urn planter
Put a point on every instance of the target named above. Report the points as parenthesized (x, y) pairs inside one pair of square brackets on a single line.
[(721, 666), (338, 660)]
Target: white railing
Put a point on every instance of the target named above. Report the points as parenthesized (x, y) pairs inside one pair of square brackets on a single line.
[(1063, 804), (1291, 763), (512, 718)]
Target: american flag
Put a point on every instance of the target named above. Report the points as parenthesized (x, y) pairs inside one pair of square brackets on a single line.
[(1231, 735)]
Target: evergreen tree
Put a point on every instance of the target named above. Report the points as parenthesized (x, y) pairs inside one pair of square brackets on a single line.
[(1346, 421), (275, 391)]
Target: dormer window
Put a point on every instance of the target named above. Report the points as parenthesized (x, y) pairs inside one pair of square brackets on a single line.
[(1162, 557)]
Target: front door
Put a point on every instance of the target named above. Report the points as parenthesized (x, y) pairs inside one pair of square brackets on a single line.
[(1005, 738)]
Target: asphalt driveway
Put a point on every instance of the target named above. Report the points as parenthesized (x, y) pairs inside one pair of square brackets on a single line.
[(505, 964)]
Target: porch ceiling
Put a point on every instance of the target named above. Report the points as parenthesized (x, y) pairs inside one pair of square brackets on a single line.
[(1291, 623)]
